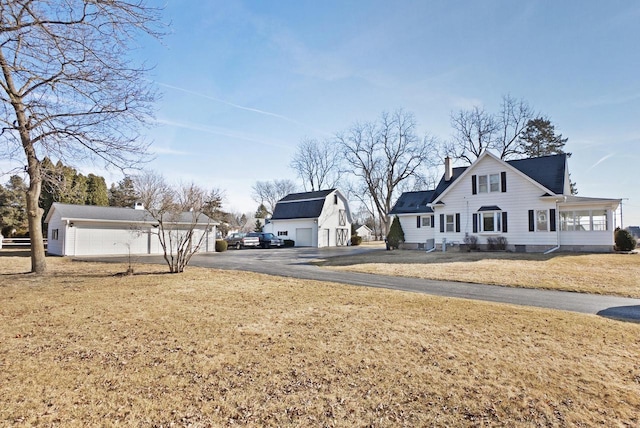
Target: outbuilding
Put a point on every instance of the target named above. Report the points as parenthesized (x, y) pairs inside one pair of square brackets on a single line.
[(83, 230), (312, 219)]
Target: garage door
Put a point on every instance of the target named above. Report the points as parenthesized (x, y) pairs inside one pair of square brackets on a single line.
[(96, 241), (303, 237)]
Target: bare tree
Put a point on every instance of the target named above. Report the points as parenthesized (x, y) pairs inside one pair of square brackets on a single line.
[(69, 90), (512, 121), (269, 193), (182, 226), (476, 130), (317, 164), (382, 155), (473, 133)]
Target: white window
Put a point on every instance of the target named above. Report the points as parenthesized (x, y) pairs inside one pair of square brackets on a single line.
[(450, 223), (584, 220), (489, 183), (542, 221), (490, 221), (494, 183), (482, 184), (54, 234), (599, 220), (426, 221), (283, 233)]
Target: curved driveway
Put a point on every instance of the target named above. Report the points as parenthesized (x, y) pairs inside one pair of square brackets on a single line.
[(294, 262)]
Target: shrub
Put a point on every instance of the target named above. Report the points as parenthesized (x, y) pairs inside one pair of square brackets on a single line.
[(289, 243), (471, 242), (396, 235), (356, 239), (497, 244), (221, 245), (624, 240)]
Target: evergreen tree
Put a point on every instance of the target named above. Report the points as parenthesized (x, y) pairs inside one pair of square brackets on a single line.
[(396, 234), (97, 193), (539, 139), (13, 207), (262, 212), (123, 194)]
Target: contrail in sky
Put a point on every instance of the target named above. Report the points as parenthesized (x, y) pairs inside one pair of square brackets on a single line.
[(255, 110), (600, 161)]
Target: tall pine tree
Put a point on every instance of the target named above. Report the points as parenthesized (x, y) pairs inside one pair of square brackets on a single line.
[(539, 139)]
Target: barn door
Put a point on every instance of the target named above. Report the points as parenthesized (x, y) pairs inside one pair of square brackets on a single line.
[(342, 237)]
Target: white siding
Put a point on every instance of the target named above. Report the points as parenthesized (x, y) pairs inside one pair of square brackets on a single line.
[(291, 226), (521, 196), (413, 234), (330, 219), (55, 246)]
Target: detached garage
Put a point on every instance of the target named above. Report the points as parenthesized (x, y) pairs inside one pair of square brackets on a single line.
[(84, 230), (312, 219)]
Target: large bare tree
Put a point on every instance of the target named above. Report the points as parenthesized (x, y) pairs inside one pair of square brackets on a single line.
[(69, 89), (384, 154), (318, 164), (268, 193), (477, 130)]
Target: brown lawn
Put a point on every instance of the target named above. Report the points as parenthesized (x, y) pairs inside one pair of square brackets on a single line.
[(615, 274), (82, 347)]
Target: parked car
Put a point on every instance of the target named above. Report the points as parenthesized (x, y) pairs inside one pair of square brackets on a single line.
[(242, 240), (267, 240)]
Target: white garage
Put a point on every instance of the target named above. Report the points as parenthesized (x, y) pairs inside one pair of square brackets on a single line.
[(83, 230), (312, 219)]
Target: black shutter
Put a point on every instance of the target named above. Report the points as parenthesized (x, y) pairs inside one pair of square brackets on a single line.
[(474, 189), (441, 223), (475, 223), (552, 219), (457, 222), (433, 221), (532, 225), (503, 181), (504, 222), (418, 222)]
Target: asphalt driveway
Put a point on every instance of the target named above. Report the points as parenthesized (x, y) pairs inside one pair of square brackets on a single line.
[(294, 262)]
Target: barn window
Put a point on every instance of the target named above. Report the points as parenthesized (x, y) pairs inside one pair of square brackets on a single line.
[(54, 234)]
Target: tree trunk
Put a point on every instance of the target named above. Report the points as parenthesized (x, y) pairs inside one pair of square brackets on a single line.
[(34, 213)]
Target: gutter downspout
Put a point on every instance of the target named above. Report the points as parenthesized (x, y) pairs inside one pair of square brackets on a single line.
[(557, 247), (431, 250)]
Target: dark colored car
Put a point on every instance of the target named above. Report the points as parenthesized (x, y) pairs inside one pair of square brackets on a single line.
[(267, 240), (241, 240)]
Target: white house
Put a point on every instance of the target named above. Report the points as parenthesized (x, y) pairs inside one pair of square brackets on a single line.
[(365, 233), (82, 230), (526, 203), (312, 219)]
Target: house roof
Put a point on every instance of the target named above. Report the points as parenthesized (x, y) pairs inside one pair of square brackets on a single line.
[(413, 202), (115, 214), (548, 171), (301, 205), (318, 194)]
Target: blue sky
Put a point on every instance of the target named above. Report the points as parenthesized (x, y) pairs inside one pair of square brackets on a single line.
[(244, 81)]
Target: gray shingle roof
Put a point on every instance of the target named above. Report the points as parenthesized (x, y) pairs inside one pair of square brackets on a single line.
[(301, 205), (116, 214), (413, 202), (546, 170), (306, 195)]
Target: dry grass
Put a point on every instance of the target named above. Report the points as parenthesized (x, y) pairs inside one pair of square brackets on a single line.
[(615, 274), (82, 347)]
